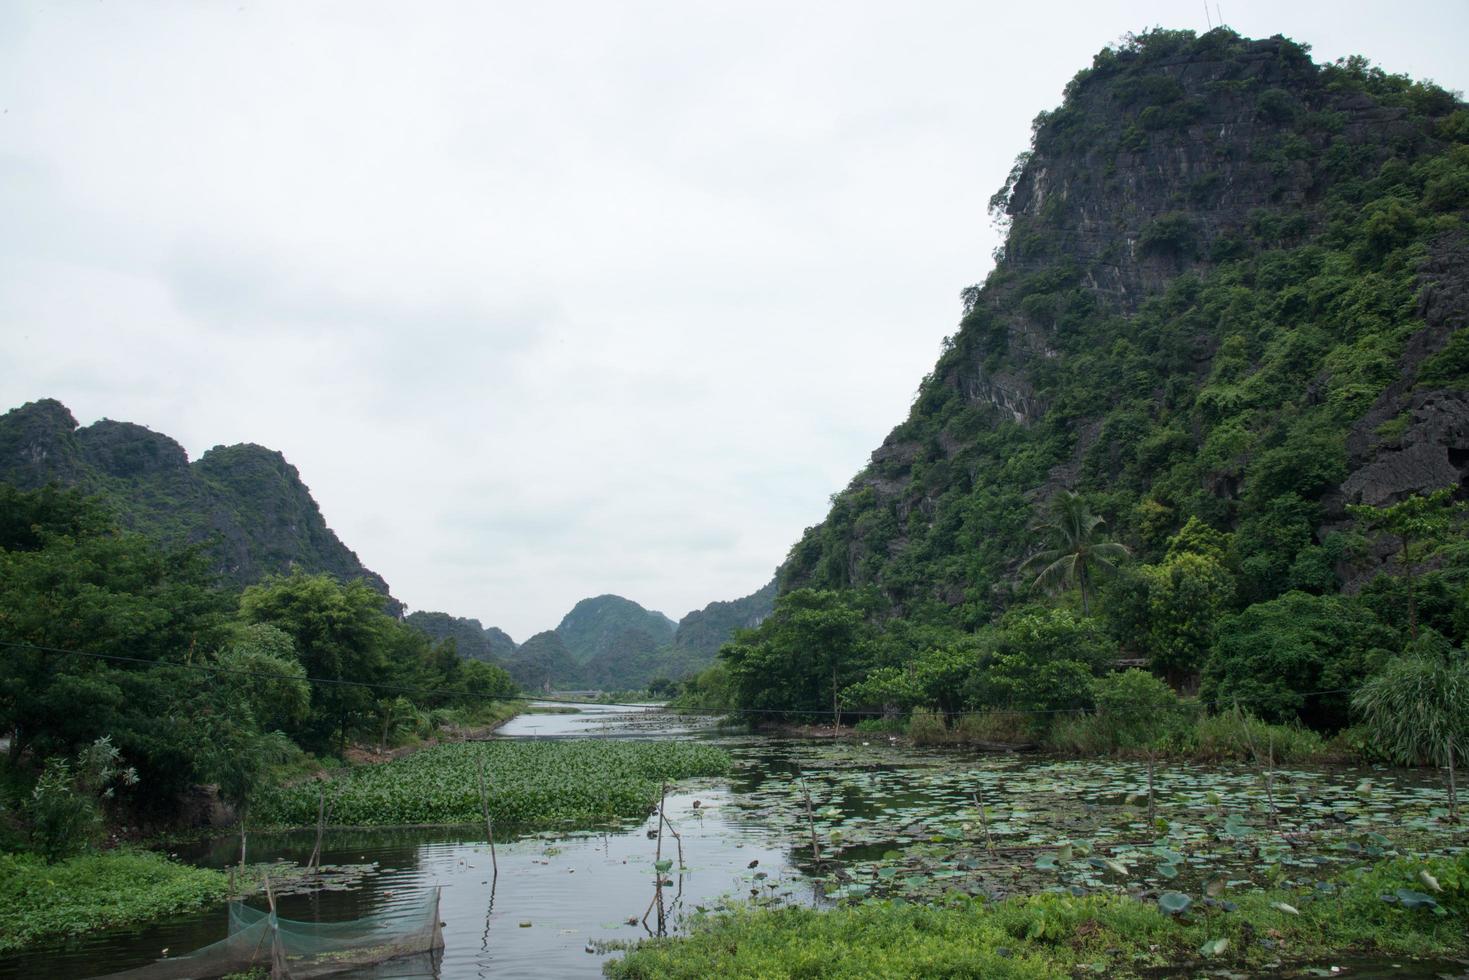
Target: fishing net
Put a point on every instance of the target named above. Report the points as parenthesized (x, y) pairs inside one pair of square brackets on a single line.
[(397, 943)]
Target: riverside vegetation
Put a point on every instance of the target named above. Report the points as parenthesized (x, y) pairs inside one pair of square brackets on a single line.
[(534, 786), (132, 674)]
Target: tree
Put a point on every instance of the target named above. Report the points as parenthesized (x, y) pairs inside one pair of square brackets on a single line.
[(934, 679), (1417, 708), (1040, 660), (1078, 552), (71, 581), (1291, 657), (261, 666), (813, 645), (1422, 523), (340, 634), (65, 805), (1187, 595)]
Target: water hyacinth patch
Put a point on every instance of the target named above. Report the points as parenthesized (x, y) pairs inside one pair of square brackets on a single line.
[(530, 784)]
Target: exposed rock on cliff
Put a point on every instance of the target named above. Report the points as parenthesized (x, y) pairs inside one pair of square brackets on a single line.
[(1233, 287)]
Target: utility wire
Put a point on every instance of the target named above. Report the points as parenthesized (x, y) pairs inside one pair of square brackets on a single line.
[(400, 689)]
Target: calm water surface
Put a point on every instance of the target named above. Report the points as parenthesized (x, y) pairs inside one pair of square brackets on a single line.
[(556, 894), (559, 897)]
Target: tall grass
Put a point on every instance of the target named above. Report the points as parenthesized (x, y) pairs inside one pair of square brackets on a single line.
[(1223, 737)]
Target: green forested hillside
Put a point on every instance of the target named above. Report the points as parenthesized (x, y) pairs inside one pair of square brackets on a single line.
[(473, 640), (1229, 310), (702, 632), (597, 625), (245, 505), (606, 642)]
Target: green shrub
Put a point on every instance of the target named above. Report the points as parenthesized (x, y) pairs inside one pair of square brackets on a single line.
[(65, 807), (96, 891), (927, 727), (1173, 234), (994, 726), (1229, 736)]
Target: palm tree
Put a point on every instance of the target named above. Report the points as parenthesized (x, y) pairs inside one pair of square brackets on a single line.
[(1078, 552), (1417, 710)]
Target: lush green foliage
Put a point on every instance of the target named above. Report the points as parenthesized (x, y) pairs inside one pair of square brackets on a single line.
[(1078, 553), (1269, 657), (39, 901), (65, 806), (111, 641), (815, 644), (531, 784), (1195, 383), (1136, 709), (1057, 935), (1417, 709)]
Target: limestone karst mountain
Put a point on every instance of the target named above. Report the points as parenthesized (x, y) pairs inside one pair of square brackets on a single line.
[(245, 504)]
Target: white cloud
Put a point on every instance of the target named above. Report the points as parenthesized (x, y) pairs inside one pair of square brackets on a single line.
[(543, 300)]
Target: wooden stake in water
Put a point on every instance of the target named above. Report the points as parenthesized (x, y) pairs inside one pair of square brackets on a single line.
[(677, 838), (484, 806), (811, 822), (315, 860), (984, 821)]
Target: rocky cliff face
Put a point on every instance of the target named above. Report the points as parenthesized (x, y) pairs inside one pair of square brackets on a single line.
[(1220, 256), (1416, 434), (1156, 169), (245, 504)]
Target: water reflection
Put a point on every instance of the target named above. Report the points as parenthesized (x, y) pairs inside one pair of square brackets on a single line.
[(556, 896)]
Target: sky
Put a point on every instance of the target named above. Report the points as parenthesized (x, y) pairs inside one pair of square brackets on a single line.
[(542, 300)]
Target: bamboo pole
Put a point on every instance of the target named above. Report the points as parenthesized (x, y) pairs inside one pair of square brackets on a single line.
[(484, 806), (315, 860)]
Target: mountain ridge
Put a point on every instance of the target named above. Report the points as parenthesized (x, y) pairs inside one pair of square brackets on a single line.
[(246, 505)]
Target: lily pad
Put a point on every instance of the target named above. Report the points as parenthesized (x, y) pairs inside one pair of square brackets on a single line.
[(1174, 903), (1213, 947)]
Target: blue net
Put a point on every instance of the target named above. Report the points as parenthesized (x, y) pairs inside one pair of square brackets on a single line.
[(404, 942)]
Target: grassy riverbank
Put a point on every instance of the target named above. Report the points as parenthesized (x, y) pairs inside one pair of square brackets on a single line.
[(1054, 935), (530, 784), (96, 891)]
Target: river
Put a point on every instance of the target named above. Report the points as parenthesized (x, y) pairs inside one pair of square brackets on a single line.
[(898, 822)]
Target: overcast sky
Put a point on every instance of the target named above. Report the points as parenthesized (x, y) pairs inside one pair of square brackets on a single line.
[(544, 300)]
